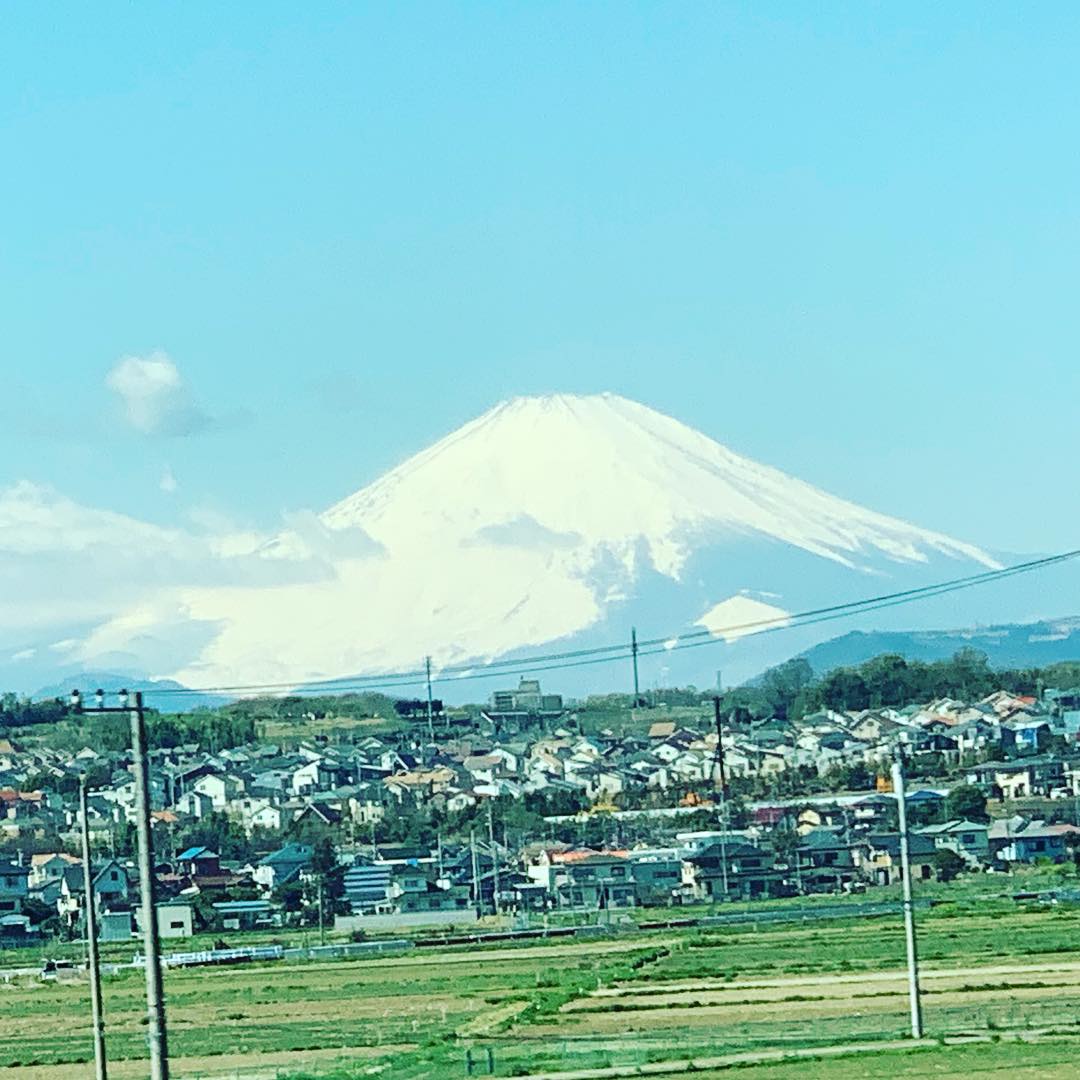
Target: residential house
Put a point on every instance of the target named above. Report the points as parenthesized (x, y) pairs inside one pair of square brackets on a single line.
[(367, 887), (13, 887), (110, 886), (223, 788), (824, 861), (969, 839), (282, 866), (731, 869), (588, 879), (657, 876), (878, 857), (1020, 840), (1019, 779)]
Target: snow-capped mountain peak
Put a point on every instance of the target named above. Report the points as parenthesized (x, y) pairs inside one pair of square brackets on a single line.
[(601, 470), (546, 518)]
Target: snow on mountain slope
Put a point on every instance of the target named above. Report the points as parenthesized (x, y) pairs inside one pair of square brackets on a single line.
[(539, 520), (519, 529), (602, 470)]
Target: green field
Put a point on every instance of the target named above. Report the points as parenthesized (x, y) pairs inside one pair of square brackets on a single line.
[(993, 971)]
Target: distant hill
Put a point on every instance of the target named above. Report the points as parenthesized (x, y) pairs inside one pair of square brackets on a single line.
[(165, 695), (1009, 645)]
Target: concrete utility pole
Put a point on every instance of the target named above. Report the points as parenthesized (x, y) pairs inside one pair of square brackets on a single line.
[(909, 908), (634, 652), (430, 711), (719, 765), (155, 992), (475, 873), (719, 756), (155, 995), (494, 861), (96, 1009), (322, 920)]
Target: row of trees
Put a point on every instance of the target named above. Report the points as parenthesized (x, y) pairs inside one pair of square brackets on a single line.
[(792, 690)]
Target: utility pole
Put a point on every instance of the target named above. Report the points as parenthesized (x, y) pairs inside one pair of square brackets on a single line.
[(475, 873), (97, 1011), (719, 775), (719, 757), (494, 861), (322, 923), (909, 908), (430, 711), (155, 992), (634, 652)]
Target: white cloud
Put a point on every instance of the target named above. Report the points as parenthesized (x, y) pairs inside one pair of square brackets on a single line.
[(153, 396), (167, 483)]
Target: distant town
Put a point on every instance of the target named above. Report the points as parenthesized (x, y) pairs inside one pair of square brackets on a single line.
[(370, 815)]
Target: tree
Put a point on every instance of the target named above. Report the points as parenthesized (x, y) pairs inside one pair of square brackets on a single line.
[(947, 864), (782, 685), (325, 879), (966, 802), (785, 843), (845, 688), (888, 680)]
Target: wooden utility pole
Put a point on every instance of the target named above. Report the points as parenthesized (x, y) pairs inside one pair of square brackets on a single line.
[(96, 1008), (634, 652)]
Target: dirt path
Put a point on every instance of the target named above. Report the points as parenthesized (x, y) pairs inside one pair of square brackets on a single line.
[(218, 1067), (827, 979)]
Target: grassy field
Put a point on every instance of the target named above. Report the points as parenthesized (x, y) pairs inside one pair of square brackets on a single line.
[(993, 970)]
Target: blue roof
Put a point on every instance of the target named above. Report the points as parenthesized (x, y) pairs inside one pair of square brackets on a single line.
[(924, 796), (193, 853), (290, 853)]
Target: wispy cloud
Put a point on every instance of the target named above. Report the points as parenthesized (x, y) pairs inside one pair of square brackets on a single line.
[(154, 398), (167, 483)]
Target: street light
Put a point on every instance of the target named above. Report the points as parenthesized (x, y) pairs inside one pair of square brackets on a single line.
[(155, 994)]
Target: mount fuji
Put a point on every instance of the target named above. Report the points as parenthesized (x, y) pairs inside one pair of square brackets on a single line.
[(547, 523)]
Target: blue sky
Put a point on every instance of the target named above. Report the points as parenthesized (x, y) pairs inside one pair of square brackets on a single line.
[(839, 238)]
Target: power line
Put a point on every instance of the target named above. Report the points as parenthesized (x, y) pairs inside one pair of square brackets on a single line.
[(780, 622), (623, 650)]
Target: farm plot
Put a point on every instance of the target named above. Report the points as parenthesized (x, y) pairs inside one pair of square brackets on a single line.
[(540, 1008)]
